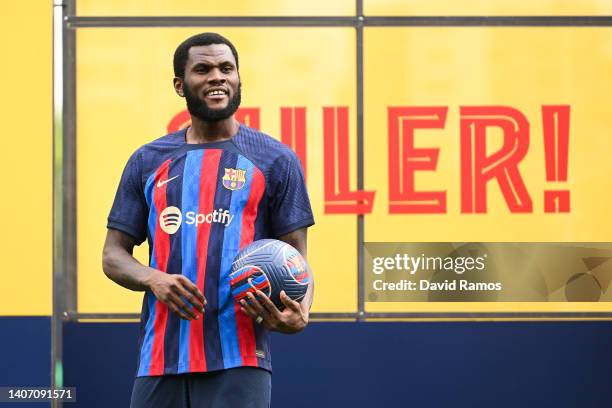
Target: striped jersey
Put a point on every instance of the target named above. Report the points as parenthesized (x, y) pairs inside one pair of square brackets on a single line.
[(198, 205)]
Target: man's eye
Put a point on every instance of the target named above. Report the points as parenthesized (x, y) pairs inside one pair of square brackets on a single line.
[(226, 69)]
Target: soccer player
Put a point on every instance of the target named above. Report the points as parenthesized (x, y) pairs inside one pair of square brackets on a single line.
[(198, 196)]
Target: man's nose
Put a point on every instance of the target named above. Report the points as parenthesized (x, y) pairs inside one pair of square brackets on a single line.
[(216, 75)]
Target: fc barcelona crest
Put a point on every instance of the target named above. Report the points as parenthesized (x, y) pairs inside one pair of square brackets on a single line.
[(234, 179)]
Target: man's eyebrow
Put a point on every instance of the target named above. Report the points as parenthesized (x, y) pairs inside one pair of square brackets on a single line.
[(209, 64)]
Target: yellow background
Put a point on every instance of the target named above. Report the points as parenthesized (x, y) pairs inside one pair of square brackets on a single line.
[(215, 8), (487, 7), (125, 99), (343, 8), (123, 102), (519, 67), (26, 143)]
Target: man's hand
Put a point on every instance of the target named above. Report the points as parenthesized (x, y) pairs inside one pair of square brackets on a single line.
[(291, 320), (173, 290)]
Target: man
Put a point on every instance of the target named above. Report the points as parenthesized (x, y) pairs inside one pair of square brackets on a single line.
[(197, 347)]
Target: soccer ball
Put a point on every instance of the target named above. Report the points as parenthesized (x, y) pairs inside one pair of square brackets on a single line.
[(270, 266)]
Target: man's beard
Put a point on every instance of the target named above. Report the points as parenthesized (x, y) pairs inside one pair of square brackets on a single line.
[(200, 109)]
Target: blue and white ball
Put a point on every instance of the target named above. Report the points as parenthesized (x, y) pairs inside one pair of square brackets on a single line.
[(271, 266)]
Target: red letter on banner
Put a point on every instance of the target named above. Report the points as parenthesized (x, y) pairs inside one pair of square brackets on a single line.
[(293, 132), (179, 121), (556, 120), (339, 199), (477, 168), (405, 160), (248, 116)]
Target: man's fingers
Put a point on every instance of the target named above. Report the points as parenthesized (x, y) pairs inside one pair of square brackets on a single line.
[(179, 312), (183, 315), (189, 285), (269, 306), (289, 303), (255, 304), (245, 311), (191, 298), (256, 313), (248, 309), (181, 308)]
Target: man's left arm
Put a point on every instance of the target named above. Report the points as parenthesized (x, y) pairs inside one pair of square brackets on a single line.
[(294, 317)]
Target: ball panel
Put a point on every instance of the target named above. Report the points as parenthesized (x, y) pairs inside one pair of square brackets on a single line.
[(282, 265), (247, 279)]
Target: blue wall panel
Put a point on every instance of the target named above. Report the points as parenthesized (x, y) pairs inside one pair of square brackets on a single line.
[(100, 360), (25, 354), (526, 364), (446, 364)]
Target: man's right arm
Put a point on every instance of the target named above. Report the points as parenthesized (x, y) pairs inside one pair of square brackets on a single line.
[(121, 267)]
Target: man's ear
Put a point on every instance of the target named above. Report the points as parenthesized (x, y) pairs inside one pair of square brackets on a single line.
[(178, 86)]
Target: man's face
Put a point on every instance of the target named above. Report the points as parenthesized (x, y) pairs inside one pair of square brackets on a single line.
[(211, 85)]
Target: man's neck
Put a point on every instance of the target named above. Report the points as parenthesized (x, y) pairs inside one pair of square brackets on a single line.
[(208, 132)]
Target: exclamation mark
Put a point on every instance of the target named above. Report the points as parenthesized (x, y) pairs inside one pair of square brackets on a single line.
[(556, 147)]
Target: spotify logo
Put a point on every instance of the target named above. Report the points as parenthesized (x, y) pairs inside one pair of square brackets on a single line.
[(170, 220)]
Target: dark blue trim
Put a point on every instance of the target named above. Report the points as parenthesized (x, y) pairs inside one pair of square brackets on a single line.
[(25, 354), (501, 364)]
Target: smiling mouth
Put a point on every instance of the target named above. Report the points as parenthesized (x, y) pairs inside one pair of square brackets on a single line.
[(216, 93)]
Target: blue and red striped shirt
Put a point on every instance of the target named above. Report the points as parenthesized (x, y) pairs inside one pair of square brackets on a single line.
[(198, 205)]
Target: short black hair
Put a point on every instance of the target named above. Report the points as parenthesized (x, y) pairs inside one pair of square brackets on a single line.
[(182, 51)]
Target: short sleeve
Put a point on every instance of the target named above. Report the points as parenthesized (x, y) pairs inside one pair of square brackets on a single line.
[(130, 211), (290, 206)]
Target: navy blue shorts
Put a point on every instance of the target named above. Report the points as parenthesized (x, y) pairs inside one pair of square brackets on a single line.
[(242, 387)]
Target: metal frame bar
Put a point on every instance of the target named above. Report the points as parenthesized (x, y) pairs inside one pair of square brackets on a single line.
[(340, 21), (58, 199), (360, 165), (374, 316), (69, 163), (64, 185), (220, 21), (495, 21)]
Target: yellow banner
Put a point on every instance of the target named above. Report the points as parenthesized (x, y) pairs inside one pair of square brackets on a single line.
[(483, 115), (487, 135), (27, 167), (125, 99), (471, 135)]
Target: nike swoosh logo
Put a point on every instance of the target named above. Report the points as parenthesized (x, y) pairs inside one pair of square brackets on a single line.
[(160, 183)]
